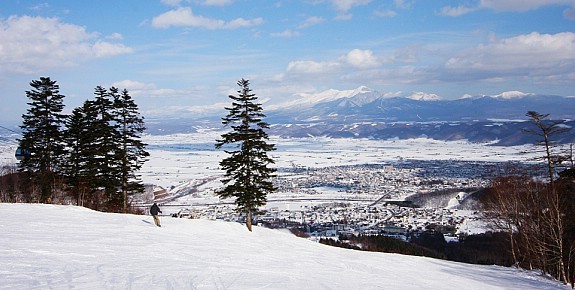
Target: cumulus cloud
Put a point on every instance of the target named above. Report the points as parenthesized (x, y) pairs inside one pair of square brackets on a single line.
[(361, 58), (531, 55), (183, 16), (107, 49), (32, 44), (533, 58), (355, 59)]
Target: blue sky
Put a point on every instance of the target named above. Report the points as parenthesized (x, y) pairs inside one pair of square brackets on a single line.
[(184, 57)]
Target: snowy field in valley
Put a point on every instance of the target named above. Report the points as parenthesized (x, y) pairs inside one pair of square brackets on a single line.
[(182, 157), (184, 163), (179, 162), (68, 247)]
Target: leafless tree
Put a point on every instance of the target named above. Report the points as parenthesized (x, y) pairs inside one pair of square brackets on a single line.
[(547, 131)]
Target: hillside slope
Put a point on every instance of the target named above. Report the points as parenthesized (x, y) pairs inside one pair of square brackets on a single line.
[(57, 247)]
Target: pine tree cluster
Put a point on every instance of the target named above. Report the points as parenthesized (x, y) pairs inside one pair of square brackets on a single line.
[(89, 157)]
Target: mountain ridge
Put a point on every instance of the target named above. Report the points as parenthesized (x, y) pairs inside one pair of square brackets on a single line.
[(365, 113), (364, 104)]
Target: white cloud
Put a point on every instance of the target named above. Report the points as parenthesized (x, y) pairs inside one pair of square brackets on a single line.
[(312, 67), (286, 34), (183, 16), (532, 58), (385, 13), (171, 2), (455, 11), (240, 22), (355, 59), (361, 58), (32, 44), (115, 36), (520, 5), (133, 85), (569, 13), (345, 5), (217, 2), (403, 4), (311, 21), (150, 90), (533, 55), (184, 111), (107, 49), (40, 6), (344, 16), (510, 6)]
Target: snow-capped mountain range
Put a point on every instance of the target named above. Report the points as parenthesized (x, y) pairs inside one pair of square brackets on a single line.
[(366, 113), (366, 105)]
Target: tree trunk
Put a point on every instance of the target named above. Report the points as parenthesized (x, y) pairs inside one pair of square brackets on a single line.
[(511, 238), (249, 219)]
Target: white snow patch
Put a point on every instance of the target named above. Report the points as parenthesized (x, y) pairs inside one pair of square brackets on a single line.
[(63, 247)]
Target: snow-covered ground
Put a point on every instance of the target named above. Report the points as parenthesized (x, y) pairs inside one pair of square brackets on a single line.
[(179, 158), (68, 247)]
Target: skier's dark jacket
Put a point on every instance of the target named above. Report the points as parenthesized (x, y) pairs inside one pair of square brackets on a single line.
[(155, 209)]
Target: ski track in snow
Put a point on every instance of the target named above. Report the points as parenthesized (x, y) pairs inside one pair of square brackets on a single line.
[(63, 247)]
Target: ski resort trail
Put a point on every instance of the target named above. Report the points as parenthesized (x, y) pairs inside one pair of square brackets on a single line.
[(64, 247)]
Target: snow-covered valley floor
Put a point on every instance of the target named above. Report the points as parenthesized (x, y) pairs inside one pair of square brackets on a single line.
[(178, 158), (68, 247)]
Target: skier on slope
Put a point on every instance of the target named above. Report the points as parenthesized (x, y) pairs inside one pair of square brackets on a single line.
[(154, 210)]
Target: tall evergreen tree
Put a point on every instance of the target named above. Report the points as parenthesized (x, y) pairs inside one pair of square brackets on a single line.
[(105, 142), (79, 167), (247, 175), (131, 152), (42, 134)]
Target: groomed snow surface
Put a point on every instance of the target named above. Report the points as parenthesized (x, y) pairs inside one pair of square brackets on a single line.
[(69, 247)]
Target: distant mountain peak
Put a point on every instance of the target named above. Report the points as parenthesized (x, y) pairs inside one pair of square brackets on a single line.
[(310, 99), (505, 95), (512, 95), (421, 96), (363, 89)]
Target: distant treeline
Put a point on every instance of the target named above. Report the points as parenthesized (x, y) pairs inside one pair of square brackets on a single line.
[(486, 249)]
